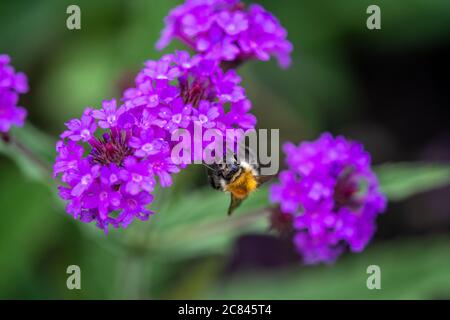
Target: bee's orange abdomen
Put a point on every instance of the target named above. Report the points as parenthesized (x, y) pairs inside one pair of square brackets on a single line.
[(243, 185)]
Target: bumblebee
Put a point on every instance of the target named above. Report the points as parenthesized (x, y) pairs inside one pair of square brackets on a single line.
[(238, 178)]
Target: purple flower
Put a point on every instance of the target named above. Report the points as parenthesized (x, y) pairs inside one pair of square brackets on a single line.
[(143, 95), (163, 168), (147, 120), (136, 176), (108, 116), (147, 144), (103, 198), (110, 175), (266, 37), (81, 129), (12, 84), (232, 23), (134, 206), (69, 156), (228, 89), (199, 93), (83, 177), (227, 30), (287, 193), (332, 194), (317, 250), (161, 70), (109, 178), (206, 114), (239, 115), (178, 116)]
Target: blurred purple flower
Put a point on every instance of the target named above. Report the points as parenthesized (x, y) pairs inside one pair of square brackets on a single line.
[(12, 84), (227, 30), (332, 194)]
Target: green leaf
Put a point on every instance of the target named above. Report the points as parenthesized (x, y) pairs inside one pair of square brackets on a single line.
[(197, 224), (402, 180), (410, 269)]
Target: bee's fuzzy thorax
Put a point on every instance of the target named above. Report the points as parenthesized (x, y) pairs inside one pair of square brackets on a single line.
[(243, 185)]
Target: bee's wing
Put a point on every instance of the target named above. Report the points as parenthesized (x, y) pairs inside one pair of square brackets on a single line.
[(248, 154), (235, 202), (263, 179)]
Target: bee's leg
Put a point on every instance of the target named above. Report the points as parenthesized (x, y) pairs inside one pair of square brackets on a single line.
[(235, 202), (214, 180)]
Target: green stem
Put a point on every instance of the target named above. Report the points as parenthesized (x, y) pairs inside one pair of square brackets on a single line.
[(27, 152)]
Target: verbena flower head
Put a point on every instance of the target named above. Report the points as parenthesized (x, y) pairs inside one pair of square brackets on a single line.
[(111, 159), (12, 84), (182, 92), (107, 177), (332, 194), (227, 30)]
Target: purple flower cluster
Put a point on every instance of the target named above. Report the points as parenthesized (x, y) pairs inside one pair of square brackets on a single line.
[(332, 194), (106, 179), (181, 92), (110, 158), (11, 85), (227, 30)]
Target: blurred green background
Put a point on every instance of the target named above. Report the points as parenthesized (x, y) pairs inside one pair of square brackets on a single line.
[(387, 88)]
